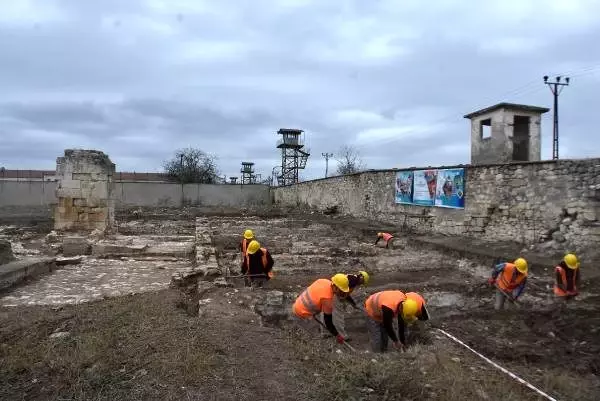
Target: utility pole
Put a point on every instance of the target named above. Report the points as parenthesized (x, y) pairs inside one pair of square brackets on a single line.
[(326, 156), (556, 88)]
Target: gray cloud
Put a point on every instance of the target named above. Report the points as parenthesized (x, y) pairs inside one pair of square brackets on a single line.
[(140, 79)]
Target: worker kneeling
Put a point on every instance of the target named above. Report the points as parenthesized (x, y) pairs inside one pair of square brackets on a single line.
[(382, 307), (317, 302)]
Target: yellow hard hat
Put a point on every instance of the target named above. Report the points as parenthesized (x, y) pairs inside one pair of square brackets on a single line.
[(409, 310), (521, 265), (571, 261), (365, 276), (248, 234), (253, 247), (341, 281)]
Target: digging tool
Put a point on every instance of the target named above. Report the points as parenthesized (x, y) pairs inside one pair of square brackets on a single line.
[(512, 300), (325, 327)]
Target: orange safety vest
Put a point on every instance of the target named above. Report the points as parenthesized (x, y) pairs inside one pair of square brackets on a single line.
[(510, 278), (263, 259), (563, 275), (318, 297), (244, 246), (391, 298), (386, 236)]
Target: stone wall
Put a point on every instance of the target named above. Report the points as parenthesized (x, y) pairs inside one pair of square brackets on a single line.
[(85, 191), (552, 204), (27, 197)]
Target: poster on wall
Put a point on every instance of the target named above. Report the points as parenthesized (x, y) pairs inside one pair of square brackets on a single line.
[(404, 187), (450, 188), (424, 185)]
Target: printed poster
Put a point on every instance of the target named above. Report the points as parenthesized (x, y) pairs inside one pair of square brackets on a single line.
[(404, 187), (424, 186), (450, 189)]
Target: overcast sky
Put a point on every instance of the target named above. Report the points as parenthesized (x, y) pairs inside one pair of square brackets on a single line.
[(139, 79)]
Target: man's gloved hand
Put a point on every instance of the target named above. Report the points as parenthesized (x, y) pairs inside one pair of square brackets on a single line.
[(491, 281), (340, 339)]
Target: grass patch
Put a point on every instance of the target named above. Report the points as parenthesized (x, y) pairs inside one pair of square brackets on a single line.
[(128, 348), (435, 371)]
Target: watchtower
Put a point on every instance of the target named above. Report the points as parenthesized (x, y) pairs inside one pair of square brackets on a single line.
[(293, 158), (247, 173), (505, 133)]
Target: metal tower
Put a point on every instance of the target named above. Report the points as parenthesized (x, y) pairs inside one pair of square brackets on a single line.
[(247, 173), (292, 157)]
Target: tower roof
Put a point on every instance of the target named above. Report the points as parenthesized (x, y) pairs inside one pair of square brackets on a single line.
[(511, 106)]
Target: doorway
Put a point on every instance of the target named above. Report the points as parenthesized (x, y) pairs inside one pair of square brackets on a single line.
[(521, 138)]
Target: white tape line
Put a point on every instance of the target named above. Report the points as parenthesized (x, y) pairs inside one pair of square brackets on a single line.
[(517, 378)]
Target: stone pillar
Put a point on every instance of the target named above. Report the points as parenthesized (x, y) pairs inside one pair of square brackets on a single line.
[(85, 191)]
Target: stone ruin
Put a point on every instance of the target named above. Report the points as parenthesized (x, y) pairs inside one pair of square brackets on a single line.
[(85, 191), (6, 253)]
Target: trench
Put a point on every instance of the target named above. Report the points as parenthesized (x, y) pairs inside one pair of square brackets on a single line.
[(306, 250), (455, 288)]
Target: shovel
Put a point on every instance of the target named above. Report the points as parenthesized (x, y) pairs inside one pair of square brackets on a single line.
[(514, 302), (325, 327)]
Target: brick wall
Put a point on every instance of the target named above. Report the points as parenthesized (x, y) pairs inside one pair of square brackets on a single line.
[(555, 205)]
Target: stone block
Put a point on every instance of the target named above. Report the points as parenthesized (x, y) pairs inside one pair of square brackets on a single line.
[(6, 253), (558, 236), (82, 176), (589, 215), (73, 193), (76, 245), (17, 271), (69, 183)]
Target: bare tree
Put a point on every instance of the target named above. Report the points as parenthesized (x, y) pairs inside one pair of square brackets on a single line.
[(193, 166), (349, 160)]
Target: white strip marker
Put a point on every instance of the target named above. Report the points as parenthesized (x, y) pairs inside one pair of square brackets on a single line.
[(517, 378)]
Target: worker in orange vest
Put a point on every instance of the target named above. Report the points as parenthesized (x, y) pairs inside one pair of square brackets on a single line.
[(317, 302), (510, 280), (382, 307), (387, 237), (257, 265), (567, 278), (246, 238), (354, 281)]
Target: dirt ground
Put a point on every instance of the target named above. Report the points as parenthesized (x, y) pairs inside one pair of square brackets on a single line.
[(152, 346)]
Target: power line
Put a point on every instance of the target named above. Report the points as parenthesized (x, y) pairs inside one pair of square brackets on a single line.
[(556, 88), (527, 88), (326, 156)]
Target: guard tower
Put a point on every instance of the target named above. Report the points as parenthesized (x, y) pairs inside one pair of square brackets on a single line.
[(247, 173), (506, 133), (293, 158)]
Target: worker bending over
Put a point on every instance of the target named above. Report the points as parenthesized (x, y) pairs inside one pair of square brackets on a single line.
[(354, 281), (316, 302), (510, 280), (567, 278), (387, 237), (257, 265), (382, 307)]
